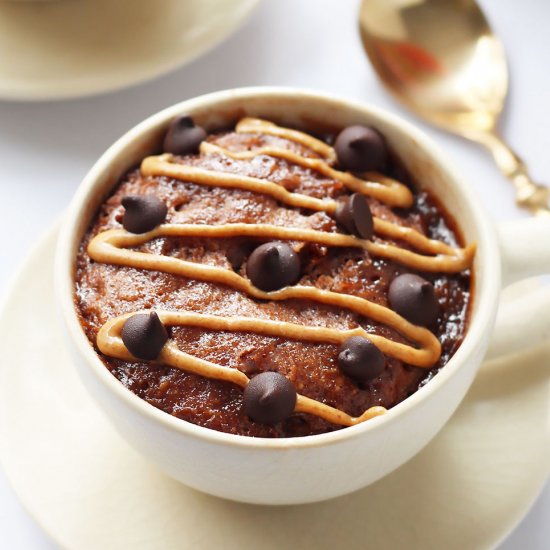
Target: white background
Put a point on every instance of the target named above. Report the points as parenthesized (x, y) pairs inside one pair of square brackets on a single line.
[(45, 149)]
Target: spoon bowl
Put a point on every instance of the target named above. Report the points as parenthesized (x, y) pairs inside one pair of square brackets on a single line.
[(441, 59)]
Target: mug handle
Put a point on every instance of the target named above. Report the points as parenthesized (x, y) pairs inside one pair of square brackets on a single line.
[(524, 321)]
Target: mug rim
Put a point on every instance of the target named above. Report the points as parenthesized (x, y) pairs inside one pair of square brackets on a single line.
[(478, 326)]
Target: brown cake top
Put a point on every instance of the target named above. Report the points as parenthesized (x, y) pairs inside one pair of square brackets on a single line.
[(273, 269)]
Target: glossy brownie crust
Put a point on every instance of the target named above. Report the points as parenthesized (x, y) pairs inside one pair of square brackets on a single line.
[(105, 291)]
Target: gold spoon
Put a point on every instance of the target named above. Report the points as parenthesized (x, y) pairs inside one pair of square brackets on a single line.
[(441, 59)]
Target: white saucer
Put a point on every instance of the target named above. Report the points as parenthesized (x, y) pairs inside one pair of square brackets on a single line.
[(89, 490), (71, 48)]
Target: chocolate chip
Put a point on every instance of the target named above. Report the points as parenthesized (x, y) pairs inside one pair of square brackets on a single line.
[(354, 215), (144, 335), (269, 397), (143, 213), (183, 137), (414, 298), (273, 266), (361, 148), (360, 359)]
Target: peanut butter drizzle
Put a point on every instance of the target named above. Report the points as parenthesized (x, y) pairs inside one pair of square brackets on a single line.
[(385, 190), (111, 247), (447, 260), (107, 248), (251, 125), (110, 343), (162, 166), (381, 187)]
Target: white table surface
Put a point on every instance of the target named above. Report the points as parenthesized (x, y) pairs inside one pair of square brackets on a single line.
[(46, 148)]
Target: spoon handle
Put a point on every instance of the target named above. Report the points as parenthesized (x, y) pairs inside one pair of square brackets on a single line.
[(530, 195)]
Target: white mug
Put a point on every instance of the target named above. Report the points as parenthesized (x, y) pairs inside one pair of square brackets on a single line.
[(318, 467)]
